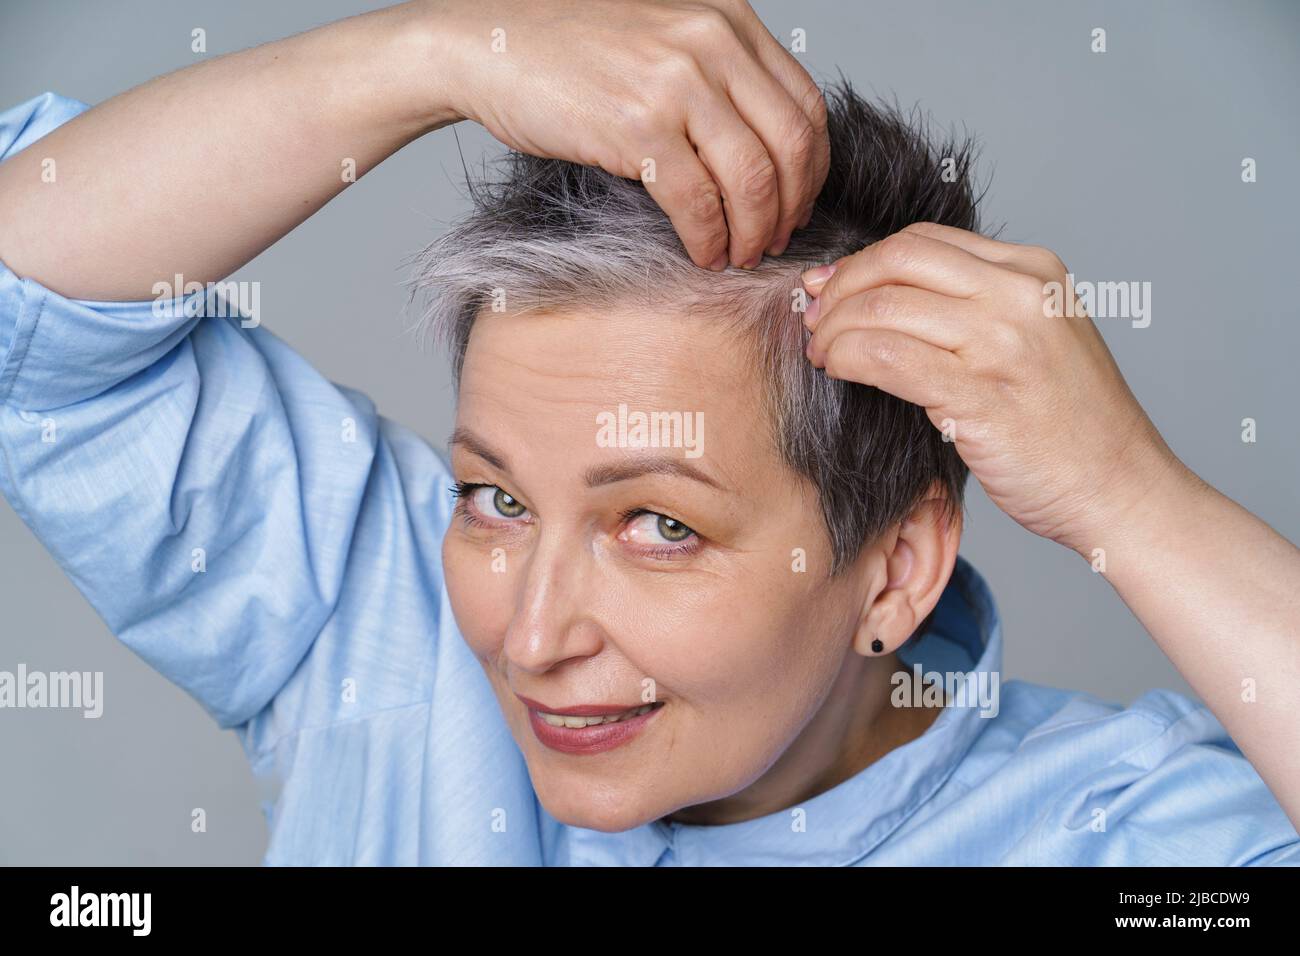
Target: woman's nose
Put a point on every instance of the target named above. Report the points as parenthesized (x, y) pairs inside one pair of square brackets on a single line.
[(552, 620)]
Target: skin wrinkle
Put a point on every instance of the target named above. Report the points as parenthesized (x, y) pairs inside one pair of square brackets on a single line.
[(600, 474)]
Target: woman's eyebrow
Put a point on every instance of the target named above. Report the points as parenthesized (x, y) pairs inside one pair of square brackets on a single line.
[(599, 475), (625, 471), (472, 443)]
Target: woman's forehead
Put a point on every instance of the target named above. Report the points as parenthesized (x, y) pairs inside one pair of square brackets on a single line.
[(657, 359), (587, 387)]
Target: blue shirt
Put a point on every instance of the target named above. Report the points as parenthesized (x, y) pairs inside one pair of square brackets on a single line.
[(266, 540)]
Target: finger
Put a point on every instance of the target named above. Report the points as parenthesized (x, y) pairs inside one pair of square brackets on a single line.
[(817, 276), (688, 194), (906, 258), (789, 137), (744, 171), (993, 250), (790, 73), (897, 363), (939, 320), (1031, 260), (989, 249)]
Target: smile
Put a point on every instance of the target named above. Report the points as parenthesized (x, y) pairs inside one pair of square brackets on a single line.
[(575, 722), (590, 733)]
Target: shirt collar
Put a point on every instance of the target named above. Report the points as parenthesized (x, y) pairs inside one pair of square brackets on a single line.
[(842, 825)]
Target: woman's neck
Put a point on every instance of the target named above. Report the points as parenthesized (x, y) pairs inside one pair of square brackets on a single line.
[(855, 727)]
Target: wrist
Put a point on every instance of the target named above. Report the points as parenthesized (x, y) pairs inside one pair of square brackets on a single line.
[(1144, 500), (408, 58)]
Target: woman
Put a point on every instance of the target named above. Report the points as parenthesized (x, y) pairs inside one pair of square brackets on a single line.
[(702, 596)]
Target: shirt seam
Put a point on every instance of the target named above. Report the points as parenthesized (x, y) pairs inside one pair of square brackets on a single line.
[(260, 752), (1163, 723), (910, 810), (21, 344)]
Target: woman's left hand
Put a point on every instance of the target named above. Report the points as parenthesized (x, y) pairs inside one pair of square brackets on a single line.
[(959, 324)]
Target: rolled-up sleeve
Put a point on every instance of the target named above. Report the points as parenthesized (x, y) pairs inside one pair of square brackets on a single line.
[(196, 478)]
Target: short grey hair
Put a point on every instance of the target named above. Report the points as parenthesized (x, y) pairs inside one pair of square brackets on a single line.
[(556, 235)]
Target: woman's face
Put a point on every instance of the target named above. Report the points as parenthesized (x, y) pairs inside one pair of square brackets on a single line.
[(584, 571)]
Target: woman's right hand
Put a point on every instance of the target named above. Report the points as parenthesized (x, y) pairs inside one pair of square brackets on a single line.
[(698, 93), (701, 89)]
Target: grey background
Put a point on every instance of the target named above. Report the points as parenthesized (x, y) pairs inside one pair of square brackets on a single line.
[(1127, 164)]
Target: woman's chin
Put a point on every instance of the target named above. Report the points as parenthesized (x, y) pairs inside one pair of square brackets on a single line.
[(610, 812)]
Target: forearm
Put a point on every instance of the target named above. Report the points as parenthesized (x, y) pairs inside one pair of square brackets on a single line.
[(1219, 591), (198, 171)]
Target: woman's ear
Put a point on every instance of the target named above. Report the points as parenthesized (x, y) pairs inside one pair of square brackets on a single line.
[(917, 567)]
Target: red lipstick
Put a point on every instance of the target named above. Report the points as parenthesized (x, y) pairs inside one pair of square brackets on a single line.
[(597, 738)]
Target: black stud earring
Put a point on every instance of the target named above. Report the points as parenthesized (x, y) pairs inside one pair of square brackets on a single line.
[(877, 646)]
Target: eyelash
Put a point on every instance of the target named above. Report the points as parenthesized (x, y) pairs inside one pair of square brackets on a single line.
[(461, 491)]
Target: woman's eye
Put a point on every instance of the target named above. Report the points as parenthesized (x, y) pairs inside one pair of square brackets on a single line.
[(490, 501), (495, 502), (649, 528), (672, 529)]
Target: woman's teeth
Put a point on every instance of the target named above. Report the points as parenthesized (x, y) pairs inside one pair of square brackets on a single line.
[(558, 720)]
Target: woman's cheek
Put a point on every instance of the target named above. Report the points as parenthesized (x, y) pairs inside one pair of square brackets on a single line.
[(717, 645), (774, 637), (478, 588)]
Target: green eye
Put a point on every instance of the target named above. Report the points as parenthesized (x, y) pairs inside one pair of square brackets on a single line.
[(655, 535), (673, 530), (507, 505)]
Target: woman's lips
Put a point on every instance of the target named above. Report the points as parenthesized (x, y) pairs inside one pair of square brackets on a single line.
[(595, 738)]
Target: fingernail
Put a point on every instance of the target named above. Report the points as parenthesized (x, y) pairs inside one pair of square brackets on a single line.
[(819, 274), (778, 247), (810, 314), (719, 263), (752, 263)]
